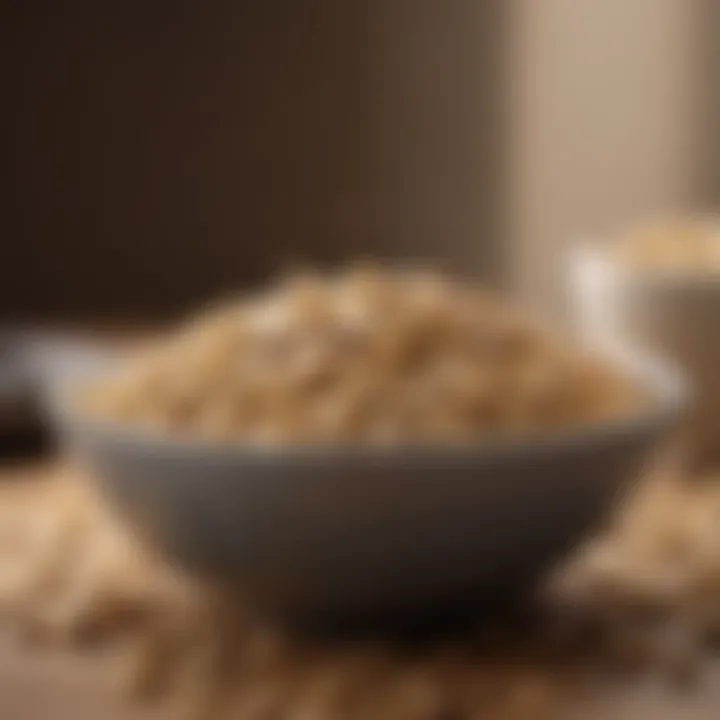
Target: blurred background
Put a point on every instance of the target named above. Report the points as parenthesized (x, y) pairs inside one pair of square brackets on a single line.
[(154, 155), (157, 154)]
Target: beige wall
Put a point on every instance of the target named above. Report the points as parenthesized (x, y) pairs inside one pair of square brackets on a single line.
[(151, 159), (605, 124)]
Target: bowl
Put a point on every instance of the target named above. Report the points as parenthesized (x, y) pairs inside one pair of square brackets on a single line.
[(368, 533), (674, 316)]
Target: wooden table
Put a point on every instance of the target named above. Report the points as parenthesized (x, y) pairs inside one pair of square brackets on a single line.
[(55, 686)]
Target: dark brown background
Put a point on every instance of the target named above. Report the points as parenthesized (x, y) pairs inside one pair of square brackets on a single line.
[(157, 153)]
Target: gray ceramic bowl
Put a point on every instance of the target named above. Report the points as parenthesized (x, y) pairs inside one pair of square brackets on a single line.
[(360, 531)]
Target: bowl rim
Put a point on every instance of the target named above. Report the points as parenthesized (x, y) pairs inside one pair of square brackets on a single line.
[(668, 387)]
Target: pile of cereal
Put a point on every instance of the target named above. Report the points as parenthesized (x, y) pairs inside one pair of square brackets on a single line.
[(685, 244), (367, 356)]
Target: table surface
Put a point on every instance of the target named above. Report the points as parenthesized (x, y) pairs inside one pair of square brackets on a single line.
[(56, 686), (59, 683)]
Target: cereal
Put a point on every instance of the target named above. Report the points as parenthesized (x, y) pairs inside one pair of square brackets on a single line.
[(363, 357), (684, 244)]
